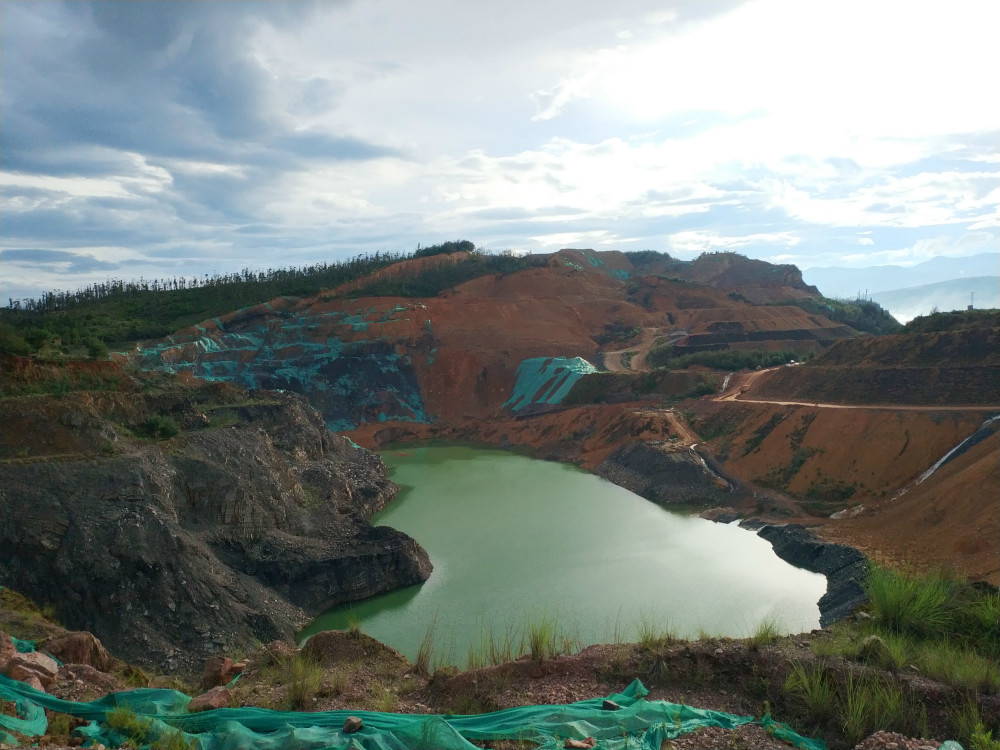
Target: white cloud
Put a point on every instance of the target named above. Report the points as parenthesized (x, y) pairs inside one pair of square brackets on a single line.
[(761, 126)]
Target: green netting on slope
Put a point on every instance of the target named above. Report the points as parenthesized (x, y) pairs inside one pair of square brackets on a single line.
[(546, 380), (22, 646), (637, 724)]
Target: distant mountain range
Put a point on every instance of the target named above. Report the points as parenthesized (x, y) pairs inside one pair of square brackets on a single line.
[(848, 282), (956, 294), (944, 283)]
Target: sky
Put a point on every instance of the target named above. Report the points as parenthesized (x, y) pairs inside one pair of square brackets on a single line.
[(159, 139)]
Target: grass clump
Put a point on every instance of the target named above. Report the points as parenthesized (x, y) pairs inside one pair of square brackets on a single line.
[(129, 725), (301, 676), (813, 691), (767, 631), (870, 704), (545, 642), (902, 603), (970, 729), (426, 650), (650, 636), (172, 739), (353, 624), (961, 668), (383, 699)]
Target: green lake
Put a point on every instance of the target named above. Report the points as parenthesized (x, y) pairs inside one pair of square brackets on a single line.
[(516, 540)]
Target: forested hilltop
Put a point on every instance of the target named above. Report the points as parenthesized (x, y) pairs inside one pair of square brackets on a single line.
[(116, 313), (107, 314)]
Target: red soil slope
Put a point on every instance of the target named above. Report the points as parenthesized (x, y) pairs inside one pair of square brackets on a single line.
[(482, 330)]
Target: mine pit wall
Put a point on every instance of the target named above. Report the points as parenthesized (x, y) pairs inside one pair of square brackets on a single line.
[(174, 549)]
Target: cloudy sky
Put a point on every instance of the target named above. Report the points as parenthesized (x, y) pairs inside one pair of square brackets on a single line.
[(179, 138)]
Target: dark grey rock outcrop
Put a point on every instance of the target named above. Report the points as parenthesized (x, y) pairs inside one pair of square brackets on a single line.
[(664, 476), (844, 567), (171, 550)]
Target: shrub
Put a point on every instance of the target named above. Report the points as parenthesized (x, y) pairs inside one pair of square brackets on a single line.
[(160, 426)]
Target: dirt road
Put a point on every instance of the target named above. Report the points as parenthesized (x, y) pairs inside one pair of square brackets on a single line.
[(744, 382), (633, 359)]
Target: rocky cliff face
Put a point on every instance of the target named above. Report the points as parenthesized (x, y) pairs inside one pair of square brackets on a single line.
[(251, 518)]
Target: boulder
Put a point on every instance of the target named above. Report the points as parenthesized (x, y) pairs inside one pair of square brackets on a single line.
[(79, 648), (353, 724), (275, 652), (580, 744), (219, 670), (217, 697), (35, 664), (35, 683), (89, 675)]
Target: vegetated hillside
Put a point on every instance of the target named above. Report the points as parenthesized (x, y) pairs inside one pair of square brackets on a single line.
[(176, 519), (455, 355), (940, 360)]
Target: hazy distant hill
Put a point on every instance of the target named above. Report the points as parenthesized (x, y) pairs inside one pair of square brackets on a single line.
[(849, 282), (906, 304)]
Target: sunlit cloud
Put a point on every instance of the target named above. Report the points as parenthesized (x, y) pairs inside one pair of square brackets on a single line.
[(321, 130)]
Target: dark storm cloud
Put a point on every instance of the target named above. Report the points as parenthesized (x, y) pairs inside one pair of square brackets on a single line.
[(165, 79)]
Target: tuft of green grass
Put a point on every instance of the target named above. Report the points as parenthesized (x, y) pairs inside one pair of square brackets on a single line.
[(544, 641), (870, 704), (897, 652), (651, 636), (158, 425), (813, 691), (301, 676), (60, 726), (383, 699), (903, 603), (767, 631), (173, 739), (426, 650), (959, 667), (132, 727), (968, 727), (353, 624), (982, 739)]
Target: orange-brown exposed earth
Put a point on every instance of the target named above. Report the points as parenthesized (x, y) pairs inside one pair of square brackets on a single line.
[(783, 438)]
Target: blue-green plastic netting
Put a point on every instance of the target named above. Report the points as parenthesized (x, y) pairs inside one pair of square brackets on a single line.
[(546, 380), (638, 723)]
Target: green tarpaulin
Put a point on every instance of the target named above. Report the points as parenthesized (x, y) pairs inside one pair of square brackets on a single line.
[(638, 723)]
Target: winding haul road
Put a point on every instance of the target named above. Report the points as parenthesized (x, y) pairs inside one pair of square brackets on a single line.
[(744, 384), (616, 361)]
